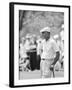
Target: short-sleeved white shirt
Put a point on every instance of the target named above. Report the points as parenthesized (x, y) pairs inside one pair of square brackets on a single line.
[(49, 48)]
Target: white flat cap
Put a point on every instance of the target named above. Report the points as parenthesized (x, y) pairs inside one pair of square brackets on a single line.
[(45, 29)]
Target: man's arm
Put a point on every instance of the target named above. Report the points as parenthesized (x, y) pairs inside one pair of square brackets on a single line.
[(56, 58), (56, 48)]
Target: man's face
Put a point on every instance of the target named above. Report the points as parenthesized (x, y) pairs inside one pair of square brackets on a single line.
[(46, 35)]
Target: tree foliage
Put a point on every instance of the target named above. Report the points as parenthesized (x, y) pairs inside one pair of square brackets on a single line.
[(34, 21)]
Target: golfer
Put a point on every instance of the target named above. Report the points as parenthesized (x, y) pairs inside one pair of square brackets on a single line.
[(49, 53)]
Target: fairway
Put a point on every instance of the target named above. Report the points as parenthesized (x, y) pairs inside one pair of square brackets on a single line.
[(36, 74)]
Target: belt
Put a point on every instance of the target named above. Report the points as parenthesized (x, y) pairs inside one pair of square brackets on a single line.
[(43, 59), (46, 59)]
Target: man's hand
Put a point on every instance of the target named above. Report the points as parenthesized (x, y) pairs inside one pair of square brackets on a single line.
[(52, 67)]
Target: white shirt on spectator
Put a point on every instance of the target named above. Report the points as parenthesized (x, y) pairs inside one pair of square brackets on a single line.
[(38, 47), (27, 45), (22, 51), (49, 49)]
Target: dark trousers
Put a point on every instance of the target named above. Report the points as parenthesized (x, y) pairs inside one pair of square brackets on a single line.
[(38, 61), (33, 60)]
